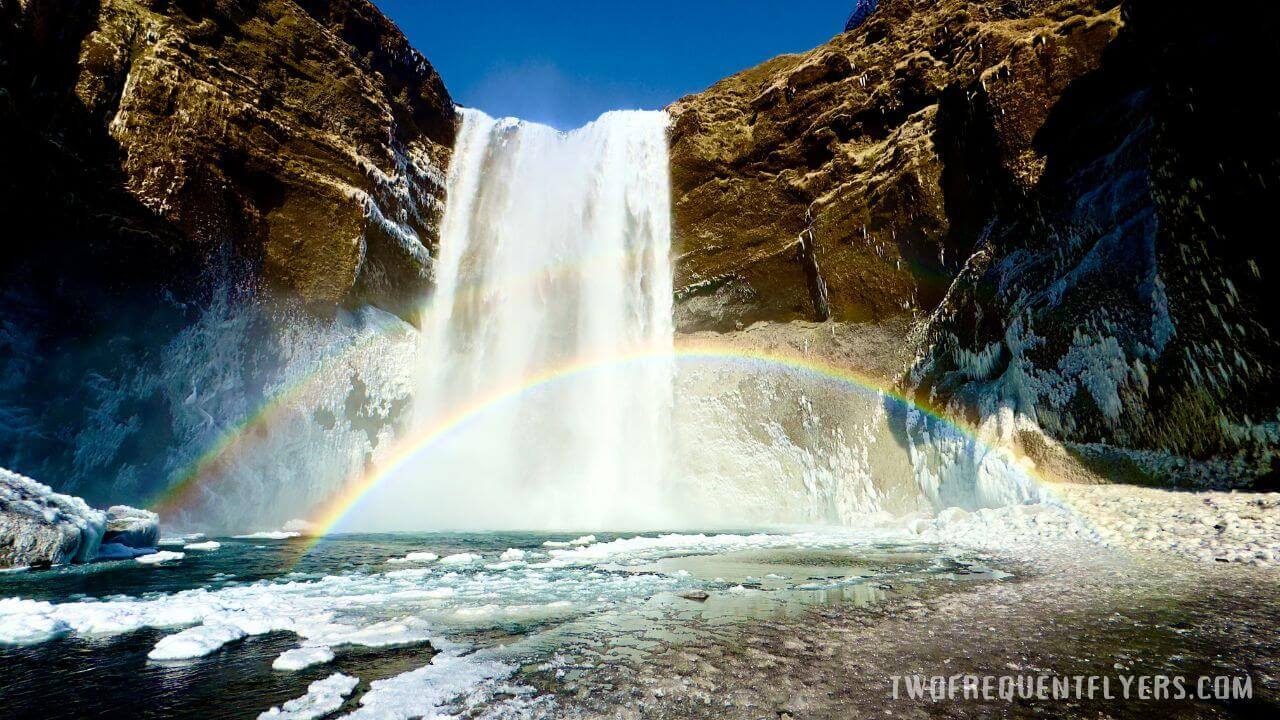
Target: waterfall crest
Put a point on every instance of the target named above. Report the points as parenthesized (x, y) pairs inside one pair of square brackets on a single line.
[(554, 252)]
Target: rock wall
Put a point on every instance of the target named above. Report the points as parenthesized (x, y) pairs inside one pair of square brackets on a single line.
[(847, 162), (1065, 195), (202, 200)]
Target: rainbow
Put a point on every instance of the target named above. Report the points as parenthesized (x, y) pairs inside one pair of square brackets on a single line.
[(330, 514), (185, 492)]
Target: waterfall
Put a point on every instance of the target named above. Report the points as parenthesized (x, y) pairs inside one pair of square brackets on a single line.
[(554, 253)]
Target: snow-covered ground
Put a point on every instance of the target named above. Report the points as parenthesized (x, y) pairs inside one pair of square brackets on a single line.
[(1203, 526)]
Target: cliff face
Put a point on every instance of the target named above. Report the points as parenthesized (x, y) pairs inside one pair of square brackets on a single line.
[(1066, 195), (306, 138), (857, 147), (202, 198)]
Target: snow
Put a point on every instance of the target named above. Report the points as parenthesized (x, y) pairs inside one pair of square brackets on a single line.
[(195, 642), (416, 557), (303, 657), (208, 545), (162, 556), (270, 535), (323, 697)]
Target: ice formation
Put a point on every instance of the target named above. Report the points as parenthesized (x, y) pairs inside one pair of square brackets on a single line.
[(38, 525)]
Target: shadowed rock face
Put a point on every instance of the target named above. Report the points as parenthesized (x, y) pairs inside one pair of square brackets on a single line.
[(283, 161), (1066, 194), (308, 140)]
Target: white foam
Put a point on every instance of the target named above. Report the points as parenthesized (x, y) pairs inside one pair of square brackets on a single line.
[(323, 697), (303, 657), (195, 642)]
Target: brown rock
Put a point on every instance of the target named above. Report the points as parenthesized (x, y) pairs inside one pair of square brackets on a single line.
[(851, 142), (310, 137)]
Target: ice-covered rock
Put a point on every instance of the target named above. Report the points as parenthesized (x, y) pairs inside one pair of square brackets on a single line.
[(132, 527), (41, 527), (116, 551), (323, 697)]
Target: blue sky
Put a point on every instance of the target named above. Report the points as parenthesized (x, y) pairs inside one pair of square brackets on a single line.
[(563, 62)]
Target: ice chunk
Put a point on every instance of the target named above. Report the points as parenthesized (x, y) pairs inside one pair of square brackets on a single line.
[(408, 631), (270, 535), (303, 657), (132, 527), (25, 622), (424, 692), (577, 542), (207, 545), (323, 697), (162, 556), (512, 554), (39, 526), (195, 642), (422, 557), (460, 559)]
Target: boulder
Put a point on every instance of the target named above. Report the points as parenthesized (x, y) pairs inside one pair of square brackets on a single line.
[(132, 527), (39, 527)]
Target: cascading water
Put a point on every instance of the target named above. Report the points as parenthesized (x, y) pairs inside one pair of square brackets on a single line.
[(554, 254)]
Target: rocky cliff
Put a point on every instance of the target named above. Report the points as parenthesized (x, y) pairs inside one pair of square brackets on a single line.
[(202, 199), (1065, 194), (308, 139)]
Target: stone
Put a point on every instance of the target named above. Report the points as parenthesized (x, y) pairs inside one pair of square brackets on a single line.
[(41, 528), (132, 527)]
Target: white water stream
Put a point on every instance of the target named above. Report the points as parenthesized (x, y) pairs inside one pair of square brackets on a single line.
[(554, 253)]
